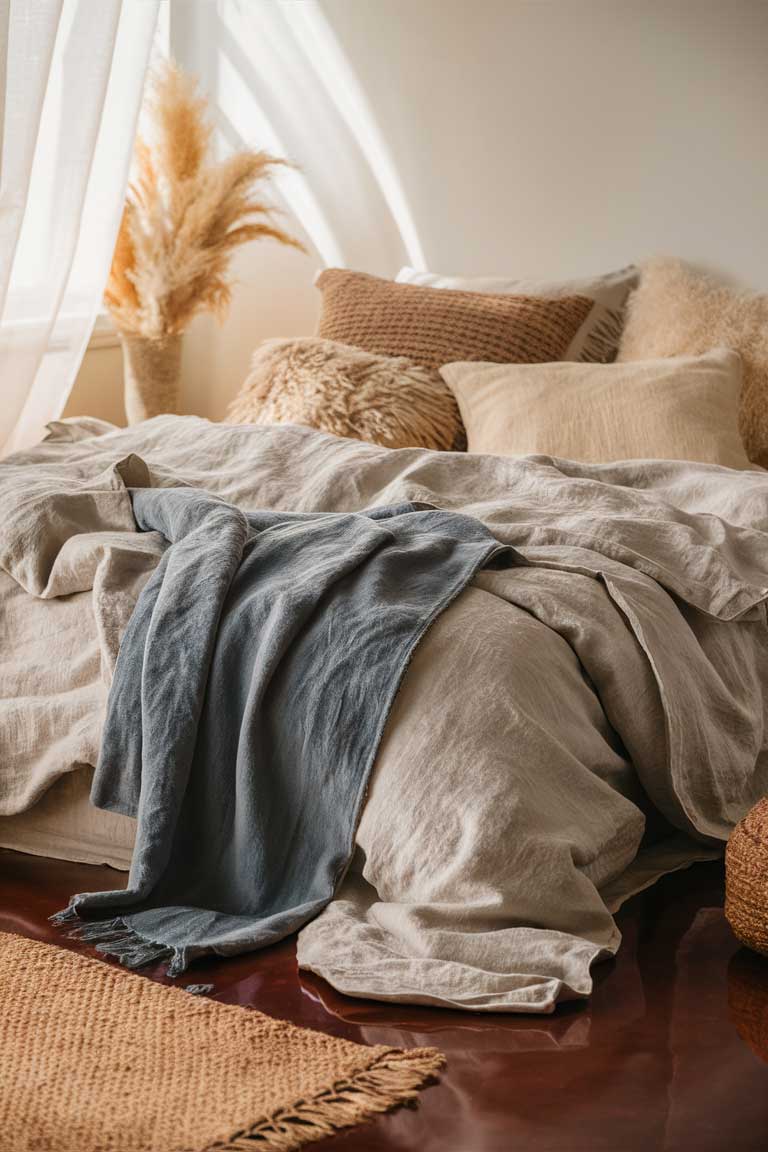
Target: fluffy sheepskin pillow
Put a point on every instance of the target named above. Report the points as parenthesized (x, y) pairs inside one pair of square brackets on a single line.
[(676, 311), (339, 389)]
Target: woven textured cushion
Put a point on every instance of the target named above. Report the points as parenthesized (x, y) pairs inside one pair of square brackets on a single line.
[(672, 409), (746, 879), (597, 339), (432, 326), (342, 390), (679, 312)]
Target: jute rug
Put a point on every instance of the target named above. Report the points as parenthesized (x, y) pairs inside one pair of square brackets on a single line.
[(96, 1059)]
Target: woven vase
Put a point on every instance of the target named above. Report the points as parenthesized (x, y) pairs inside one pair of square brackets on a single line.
[(746, 879), (151, 371)]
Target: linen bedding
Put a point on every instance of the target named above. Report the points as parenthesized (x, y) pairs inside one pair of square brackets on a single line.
[(247, 772), (565, 730)]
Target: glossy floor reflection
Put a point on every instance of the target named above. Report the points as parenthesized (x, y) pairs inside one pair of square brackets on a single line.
[(670, 1054)]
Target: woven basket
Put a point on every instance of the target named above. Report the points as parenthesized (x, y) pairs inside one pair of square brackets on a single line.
[(746, 879)]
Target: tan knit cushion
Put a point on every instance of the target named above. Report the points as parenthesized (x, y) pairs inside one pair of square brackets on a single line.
[(677, 311), (348, 392), (433, 326), (596, 341)]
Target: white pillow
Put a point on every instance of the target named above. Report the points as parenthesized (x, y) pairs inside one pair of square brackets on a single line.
[(597, 339), (681, 408)]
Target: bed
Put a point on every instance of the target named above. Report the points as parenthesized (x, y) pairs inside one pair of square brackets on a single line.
[(614, 730)]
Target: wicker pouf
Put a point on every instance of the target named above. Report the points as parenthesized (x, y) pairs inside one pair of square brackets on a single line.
[(746, 879)]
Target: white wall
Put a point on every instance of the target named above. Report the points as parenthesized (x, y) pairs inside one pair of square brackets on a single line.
[(558, 136), (530, 137)]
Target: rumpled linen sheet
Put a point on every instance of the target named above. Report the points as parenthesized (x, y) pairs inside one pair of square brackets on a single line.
[(565, 730)]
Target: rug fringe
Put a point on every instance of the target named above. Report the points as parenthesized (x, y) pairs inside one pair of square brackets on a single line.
[(394, 1080)]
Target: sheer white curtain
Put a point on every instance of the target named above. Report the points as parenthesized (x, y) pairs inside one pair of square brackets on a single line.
[(71, 79)]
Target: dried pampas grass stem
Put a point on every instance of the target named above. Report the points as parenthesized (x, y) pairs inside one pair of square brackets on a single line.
[(184, 216)]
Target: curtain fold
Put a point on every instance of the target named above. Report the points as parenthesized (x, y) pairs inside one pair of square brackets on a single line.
[(73, 81)]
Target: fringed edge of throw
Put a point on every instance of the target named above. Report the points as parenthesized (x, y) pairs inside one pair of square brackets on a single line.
[(392, 1081), (115, 938)]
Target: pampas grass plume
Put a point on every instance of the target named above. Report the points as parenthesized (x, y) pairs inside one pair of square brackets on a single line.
[(184, 216)]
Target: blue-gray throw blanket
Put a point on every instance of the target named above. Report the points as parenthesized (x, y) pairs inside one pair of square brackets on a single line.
[(250, 695)]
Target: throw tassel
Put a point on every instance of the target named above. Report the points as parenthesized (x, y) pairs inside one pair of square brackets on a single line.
[(100, 930), (114, 938), (65, 916), (178, 964), (132, 952)]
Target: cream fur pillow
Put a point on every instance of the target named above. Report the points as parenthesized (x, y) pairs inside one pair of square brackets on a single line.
[(339, 389), (677, 311)]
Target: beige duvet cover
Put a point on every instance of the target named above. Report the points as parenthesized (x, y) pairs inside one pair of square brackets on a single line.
[(546, 720)]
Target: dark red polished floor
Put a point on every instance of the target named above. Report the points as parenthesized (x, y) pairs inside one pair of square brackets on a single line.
[(670, 1054)]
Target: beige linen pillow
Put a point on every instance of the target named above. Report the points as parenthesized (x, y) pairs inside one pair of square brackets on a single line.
[(342, 390), (433, 326), (597, 339), (684, 408), (678, 311)]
